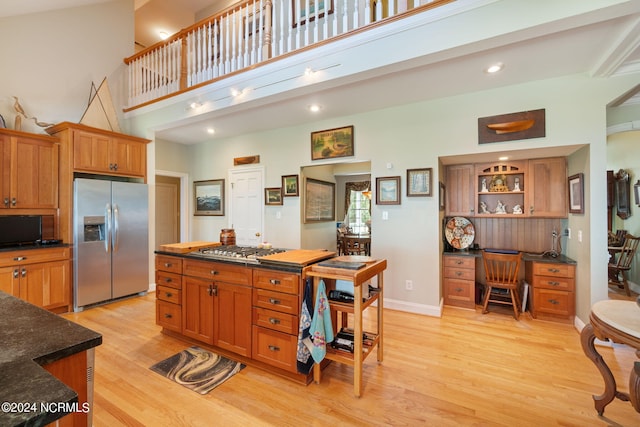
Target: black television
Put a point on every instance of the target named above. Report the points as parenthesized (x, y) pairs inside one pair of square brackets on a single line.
[(18, 230)]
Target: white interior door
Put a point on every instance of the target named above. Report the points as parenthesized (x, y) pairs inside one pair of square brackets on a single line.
[(247, 205)]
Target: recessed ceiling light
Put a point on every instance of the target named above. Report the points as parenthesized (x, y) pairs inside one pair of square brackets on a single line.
[(235, 92), (494, 68), (503, 158), (163, 34), (211, 131), (193, 105), (314, 108), (308, 71)]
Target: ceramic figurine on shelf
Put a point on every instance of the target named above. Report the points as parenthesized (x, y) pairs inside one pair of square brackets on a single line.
[(483, 208), (501, 208), (517, 210), (516, 184), (484, 185)]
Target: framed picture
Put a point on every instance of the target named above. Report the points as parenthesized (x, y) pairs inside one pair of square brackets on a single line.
[(273, 196), (319, 201), (209, 197), (419, 182), (299, 11), (290, 185), (388, 190), (576, 193), (331, 143), (441, 194)]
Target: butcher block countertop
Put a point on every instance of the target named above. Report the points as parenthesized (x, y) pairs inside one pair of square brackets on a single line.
[(30, 338), (297, 257), (183, 248)]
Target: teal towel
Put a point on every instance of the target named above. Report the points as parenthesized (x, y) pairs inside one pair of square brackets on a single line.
[(321, 329)]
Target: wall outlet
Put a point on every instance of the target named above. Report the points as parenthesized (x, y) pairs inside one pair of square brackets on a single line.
[(408, 285)]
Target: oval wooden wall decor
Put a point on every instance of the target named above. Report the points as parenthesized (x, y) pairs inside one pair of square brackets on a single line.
[(511, 127)]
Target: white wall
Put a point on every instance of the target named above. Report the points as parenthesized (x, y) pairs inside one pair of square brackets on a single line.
[(50, 59), (416, 135)]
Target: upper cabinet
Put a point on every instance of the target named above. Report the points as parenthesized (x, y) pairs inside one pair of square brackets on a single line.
[(103, 152), (527, 188), (547, 188), (28, 170), (460, 194)]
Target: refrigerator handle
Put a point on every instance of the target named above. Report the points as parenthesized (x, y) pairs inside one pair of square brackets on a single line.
[(116, 227), (107, 220)]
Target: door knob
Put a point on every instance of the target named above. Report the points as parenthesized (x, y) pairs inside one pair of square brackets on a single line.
[(258, 234)]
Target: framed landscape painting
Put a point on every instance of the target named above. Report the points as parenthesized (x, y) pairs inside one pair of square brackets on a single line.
[(331, 143), (273, 196), (290, 185), (388, 190), (209, 197), (419, 182)]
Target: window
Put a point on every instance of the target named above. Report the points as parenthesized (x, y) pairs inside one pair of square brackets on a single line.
[(359, 214)]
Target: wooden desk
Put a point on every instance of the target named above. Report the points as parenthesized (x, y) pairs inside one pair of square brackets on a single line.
[(617, 321), (359, 278)]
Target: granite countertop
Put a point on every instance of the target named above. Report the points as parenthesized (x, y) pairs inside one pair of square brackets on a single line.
[(271, 266), (560, 259), (29, 338), (31, 247)]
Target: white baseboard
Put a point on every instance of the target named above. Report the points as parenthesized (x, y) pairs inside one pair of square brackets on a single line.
[(411, 307)]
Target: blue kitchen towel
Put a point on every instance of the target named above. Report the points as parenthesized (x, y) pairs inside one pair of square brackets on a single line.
[(304, 360), (321, 329)]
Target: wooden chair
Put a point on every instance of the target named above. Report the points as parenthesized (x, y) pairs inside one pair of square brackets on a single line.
[(354, 246), (501, 275), (340, 242), (618, 267)]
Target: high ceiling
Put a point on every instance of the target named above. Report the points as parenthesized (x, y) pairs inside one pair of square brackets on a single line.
[(602, 47)]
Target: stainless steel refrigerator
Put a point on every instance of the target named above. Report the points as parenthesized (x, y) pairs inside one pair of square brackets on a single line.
[(111, 249)]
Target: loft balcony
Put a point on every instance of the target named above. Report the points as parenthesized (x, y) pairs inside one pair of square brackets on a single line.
[(252, 34)]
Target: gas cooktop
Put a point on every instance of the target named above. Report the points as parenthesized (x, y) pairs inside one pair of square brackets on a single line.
[(239, 254)]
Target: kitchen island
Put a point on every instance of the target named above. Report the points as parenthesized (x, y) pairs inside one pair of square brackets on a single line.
[(44, 366)]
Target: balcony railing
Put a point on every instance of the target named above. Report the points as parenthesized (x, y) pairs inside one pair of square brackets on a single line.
[(249, 33)]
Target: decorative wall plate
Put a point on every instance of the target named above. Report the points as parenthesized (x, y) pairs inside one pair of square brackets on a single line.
[(459, 232)]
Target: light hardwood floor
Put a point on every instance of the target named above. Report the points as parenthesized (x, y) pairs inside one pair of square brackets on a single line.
[(462, 369)]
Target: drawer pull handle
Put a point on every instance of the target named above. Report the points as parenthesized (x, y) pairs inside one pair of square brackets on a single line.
[(274, 348), (458, 273), (459, 262), (214, 272), (274, 281), (274, 301), (554, 302), (168, 294), (167, 316), (274, 321), (554, 270), (459, 289), (168, 264), (554, 283), (20, 258), (168, 280)]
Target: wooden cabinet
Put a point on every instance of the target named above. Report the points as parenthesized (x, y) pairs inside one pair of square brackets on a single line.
[(84, 149), (39, 276), (547, 188), (276, 306), (216, 304), (459, 281), (553, 286), (169, 292), (28, 170), (460, 194)]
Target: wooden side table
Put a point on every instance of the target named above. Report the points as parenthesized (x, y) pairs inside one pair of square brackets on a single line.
[(617, 321), (359, 278)]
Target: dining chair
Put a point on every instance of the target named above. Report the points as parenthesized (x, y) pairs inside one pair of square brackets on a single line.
[(619, 266), (354, 246), (501, 276), (340, 242)]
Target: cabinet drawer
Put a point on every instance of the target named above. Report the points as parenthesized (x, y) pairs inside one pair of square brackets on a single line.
[(551, 269), (275, 348), (460, 293), (169, 315), (460, 261), (276, 281), (459, 273), (168, 294), (171, 280), (557, 283), (285, 303), (283, 322), (169, 263), (219, 272), (34, 256), (554, 302)]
